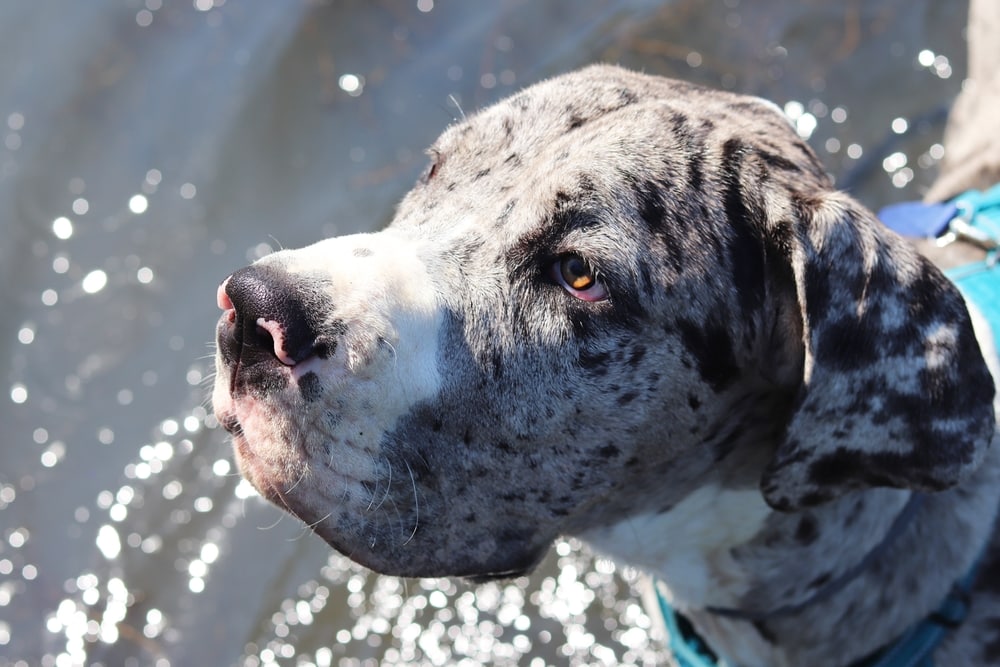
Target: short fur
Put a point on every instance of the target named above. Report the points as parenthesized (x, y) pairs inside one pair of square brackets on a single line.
[(772, 374)]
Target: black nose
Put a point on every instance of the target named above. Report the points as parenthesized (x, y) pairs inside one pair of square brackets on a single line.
[(272, 319)]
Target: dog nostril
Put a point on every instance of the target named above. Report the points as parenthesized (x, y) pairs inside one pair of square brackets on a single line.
[(269, 314), (262, 338)]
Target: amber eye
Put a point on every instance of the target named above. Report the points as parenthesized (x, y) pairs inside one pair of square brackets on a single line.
[(575, 272), (578, 278)]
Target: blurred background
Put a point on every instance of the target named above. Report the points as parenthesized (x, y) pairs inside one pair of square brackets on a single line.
[(150, 147)]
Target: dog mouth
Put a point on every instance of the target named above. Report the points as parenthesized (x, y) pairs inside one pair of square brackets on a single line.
[(253, 467), (331, 504)]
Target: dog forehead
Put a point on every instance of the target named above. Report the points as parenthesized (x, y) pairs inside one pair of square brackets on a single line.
[(640, 107), (592, 137)]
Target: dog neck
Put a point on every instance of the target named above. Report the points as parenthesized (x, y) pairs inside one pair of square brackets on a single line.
[(724, 547)]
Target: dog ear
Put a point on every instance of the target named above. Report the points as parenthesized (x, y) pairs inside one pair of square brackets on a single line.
[(894, 389)]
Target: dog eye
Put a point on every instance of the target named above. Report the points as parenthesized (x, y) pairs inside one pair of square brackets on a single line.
[(576, 276)]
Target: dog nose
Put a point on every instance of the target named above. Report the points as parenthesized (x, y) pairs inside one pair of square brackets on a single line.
[(270, 318)]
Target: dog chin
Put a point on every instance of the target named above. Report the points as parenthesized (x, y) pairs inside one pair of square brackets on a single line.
[(515, 561)]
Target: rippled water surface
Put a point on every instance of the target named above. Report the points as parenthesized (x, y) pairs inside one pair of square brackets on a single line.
[(149, 147)]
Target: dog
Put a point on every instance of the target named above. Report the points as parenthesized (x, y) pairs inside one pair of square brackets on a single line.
[(635, 311)]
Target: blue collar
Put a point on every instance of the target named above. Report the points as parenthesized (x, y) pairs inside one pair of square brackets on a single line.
[(915, 648), (972, 217)]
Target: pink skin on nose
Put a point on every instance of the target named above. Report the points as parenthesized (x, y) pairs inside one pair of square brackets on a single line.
[(274, 329), (278, 336), (224, 302)]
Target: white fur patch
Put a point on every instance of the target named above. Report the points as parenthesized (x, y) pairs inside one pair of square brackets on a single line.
[(384, 363), (689, 547)]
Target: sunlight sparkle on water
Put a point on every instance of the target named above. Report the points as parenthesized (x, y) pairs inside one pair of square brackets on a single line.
[(62, 228), (19, 393), (108, 542), (138, 204), (352, 84), (94, 281)]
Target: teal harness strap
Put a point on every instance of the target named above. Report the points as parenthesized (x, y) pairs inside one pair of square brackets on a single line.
[(980, 283), (687, 648), (915, 648), (977, 220)]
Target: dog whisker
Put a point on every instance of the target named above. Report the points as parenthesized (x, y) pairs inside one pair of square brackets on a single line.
[(416, 504), (388, 486)]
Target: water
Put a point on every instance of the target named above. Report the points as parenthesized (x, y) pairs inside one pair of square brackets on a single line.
[(149, 148)]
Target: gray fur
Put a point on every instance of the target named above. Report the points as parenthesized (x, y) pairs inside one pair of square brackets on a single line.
[(762, 331)]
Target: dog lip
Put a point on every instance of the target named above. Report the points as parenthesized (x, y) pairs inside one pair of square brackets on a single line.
[(487, 577), (231, 424)]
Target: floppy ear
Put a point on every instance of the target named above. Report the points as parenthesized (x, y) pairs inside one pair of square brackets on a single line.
[(894, 390)]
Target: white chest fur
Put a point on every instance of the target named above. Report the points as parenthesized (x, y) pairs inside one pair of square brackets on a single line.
[(689, 547), (689, 551)]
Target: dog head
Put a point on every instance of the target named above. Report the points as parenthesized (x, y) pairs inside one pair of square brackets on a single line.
[(602, 292)]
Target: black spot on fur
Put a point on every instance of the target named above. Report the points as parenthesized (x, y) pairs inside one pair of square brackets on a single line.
[(991, 651), (747, 220), (778, 162), (258, 380), (609, 451), (693, 146), (637, 355), (851, 343), (694, 402), (764, 631), (820, 581), (310, 387), (596, 362), (807, 531), (325, 347), (481, 174), (496, 364), (650, 205), (627, 96), (712, 349), (627, 397), (508, 126)]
